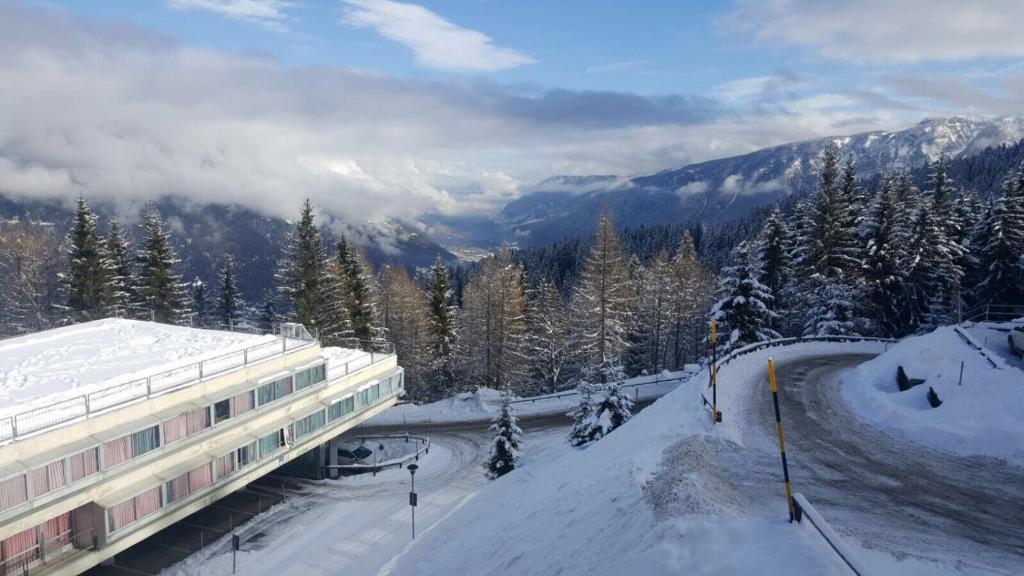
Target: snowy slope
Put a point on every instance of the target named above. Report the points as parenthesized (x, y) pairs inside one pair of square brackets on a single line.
[(646, 499), (982, 416), (42, 368)]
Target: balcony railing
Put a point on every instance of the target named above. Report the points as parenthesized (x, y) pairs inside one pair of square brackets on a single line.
[(48, 553)]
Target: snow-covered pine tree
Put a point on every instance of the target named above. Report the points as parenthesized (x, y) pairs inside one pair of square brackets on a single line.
[(1001, 244), (506, 448), (360, 291), (744, 307), (90, 286), (600, 302), (585, 426), (308, 288), (163, 295), (794, 291), (229, 298), (549, 339), (268, 314), (886, 262), (615, 409), (773, 251), (119, 251), (932, 271), (441, 343), (831, 256), (200, 303)]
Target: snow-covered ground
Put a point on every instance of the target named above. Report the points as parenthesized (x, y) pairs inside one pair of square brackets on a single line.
[(42, 368), (982, 416), (485, 402), (992, 335)]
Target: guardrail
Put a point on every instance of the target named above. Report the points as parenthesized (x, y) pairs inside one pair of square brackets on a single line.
[(803, 510), (13, 428), (994, 313), (977, 347), (574, 392), (750, 348)]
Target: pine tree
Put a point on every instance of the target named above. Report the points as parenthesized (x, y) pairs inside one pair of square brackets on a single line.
[(359, 291), (123, 291), (268, 315), (585, 426), (773, 250), (885, 263), (441, 343), (307, 284), (744, 308), (508, 441), (616, 408), (1001, 244), (404, 314), (160, 289), (90, 275), (200, 305), (932, 271), (550, 337), (600, 303), (229, 300)]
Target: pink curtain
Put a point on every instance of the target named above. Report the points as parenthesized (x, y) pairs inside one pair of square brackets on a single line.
[(147, 503), (13, 492), (288, 385), (225, 465), (117, 451), (83, 464), (175, 428), (198, 420), (122, 514), (40, 485), (179, 488), (19, 548), (200, 478), (242, 403), (58, 528)]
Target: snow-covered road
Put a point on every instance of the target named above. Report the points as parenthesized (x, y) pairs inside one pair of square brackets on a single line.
[(886, 493)]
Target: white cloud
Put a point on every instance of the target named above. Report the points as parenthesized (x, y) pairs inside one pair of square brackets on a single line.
[(737, 185), (269, 13), (886, 31), (435, 41), (693, 189)]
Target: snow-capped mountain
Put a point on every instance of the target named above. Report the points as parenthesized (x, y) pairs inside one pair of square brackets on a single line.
[(722, 189)]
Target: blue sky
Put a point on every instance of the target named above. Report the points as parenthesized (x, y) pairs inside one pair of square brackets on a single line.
[(383, 108)]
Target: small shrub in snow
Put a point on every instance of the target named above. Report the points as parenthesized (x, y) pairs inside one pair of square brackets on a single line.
[(508, 440), (602, 408), (933, 398), (585, 425)]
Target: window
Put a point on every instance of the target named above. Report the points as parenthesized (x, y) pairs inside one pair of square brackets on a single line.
[(303, 380), (242, 403), (275, 390), (246, 455), (225, 465), (145, 440), (134, 509), (221, 411), (84, 464), (340, 408), (49, 477), (13, 491), (117, 451), (309, 424), (271, 442)]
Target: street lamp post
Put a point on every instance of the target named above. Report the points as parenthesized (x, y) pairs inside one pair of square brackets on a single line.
[(412, 496)]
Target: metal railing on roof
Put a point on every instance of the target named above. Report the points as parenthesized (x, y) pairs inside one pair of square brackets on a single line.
[(71, 409)]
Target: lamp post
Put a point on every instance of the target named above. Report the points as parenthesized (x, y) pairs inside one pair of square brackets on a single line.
[(412, 496)]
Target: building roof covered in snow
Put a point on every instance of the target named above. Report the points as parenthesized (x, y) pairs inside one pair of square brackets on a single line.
[(46, 367)]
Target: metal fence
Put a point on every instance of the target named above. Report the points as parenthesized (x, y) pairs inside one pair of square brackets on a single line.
[(71, 409), (994, 313), (46, 554)]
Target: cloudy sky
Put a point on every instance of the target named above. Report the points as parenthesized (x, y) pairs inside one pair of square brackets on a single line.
[(378, 108)]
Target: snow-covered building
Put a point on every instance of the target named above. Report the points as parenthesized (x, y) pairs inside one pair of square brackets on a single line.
[(112, 430)]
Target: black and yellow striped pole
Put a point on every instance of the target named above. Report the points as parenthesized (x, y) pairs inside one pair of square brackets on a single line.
[(715, 415), (782, 440)]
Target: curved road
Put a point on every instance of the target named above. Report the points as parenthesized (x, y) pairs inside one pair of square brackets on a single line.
[(889, 493)]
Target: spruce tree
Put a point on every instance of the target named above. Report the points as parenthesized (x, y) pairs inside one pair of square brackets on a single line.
[(90, 276), (508, 441), (585, 426), (160, 289), (694, 293), (600, 303), (773, 250), (885, 263), (123, 292), (615, 409), (651, 324), (1001, 245), (200, 304), (229, 300), (932, 271), (442, 334), (359, 291), (307, 284), (744, 308)]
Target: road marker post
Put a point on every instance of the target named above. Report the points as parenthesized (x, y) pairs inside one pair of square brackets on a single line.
[(782, 440), (716, 416)]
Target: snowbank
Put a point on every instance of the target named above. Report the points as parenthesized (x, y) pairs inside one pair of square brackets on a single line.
[(980, 417), (42, 368)]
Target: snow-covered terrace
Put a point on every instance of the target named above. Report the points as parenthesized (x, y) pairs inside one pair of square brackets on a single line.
[(40, 369)]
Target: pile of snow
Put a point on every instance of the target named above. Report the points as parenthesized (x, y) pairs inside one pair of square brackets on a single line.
[(646, 499), (43, 368), (982, 416)]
